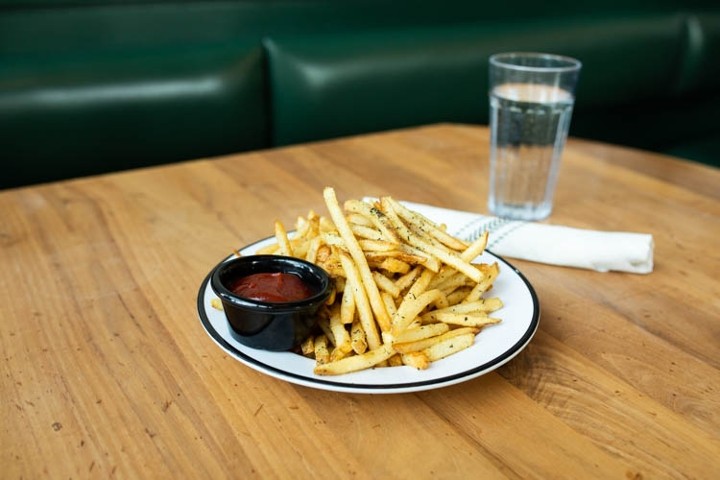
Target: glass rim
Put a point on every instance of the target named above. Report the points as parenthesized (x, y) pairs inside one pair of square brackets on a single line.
[(502, 60)]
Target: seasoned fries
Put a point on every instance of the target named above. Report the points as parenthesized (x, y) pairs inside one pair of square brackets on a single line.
[(406, 292)]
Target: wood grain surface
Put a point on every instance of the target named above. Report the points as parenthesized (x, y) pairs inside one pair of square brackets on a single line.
[(107, 372)]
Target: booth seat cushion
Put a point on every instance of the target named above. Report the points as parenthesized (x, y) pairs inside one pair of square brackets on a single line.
[(95, 114)]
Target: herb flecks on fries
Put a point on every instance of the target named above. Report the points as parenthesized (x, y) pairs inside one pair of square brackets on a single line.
[(405, 291)]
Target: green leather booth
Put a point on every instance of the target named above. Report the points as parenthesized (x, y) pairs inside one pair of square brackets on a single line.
[(94, 86)]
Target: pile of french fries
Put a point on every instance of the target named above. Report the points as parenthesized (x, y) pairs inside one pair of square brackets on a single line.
[(405, 291)]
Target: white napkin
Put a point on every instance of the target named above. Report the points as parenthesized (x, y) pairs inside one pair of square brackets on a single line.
[(551, 244)]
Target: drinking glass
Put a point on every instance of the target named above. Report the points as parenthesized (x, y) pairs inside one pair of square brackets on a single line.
[(531, 103)]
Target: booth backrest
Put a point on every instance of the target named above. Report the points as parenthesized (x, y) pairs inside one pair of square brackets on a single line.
[(103, 85)]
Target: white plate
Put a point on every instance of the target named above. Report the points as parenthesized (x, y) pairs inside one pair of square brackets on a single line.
[(493, 347)]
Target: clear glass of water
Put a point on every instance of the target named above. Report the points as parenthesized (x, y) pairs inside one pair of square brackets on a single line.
[(531, 103)]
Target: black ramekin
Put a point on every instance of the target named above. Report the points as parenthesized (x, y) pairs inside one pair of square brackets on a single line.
[(270, 325)]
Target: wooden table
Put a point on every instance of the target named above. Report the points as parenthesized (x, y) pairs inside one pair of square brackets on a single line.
[(107, 372)]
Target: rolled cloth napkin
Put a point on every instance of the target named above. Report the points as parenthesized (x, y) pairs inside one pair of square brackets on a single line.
[(550, 244)]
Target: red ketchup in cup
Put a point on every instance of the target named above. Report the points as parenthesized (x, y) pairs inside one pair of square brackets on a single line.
[(272, 287)]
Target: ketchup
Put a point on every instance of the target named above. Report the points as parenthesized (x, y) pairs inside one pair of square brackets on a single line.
[(272, 287)]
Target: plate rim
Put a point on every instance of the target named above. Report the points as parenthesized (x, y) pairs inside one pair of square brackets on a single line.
[(335, 385)]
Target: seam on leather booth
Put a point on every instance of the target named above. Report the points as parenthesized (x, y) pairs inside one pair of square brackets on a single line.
[(692, 55)]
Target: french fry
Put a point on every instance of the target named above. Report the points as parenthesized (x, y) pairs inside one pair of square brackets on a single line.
[(364, 231), (390, 265), (428, 261), (331, 298), (357, 337), (483, 305), (406, 280), (389, 303), (426, 343), (377, 245), (326, 225), (343, 344), (449, 346), (354, 363), (377, 257), (422, 332), (332, 239), (312, 251), (373, 293), (307, 347), (458, 295), (410, 309), (324, 324), (426, 225), (418, 360), (376, 217), (216, 303), (489, 275), (476, 248), (320, 348), (452, 282), (329, 259), (347, 305), (466, 319), (337, 354), (358, 219), (284, 247), (395, 361), (402, 318), (386, 284), (441, 301), (361, 302)]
